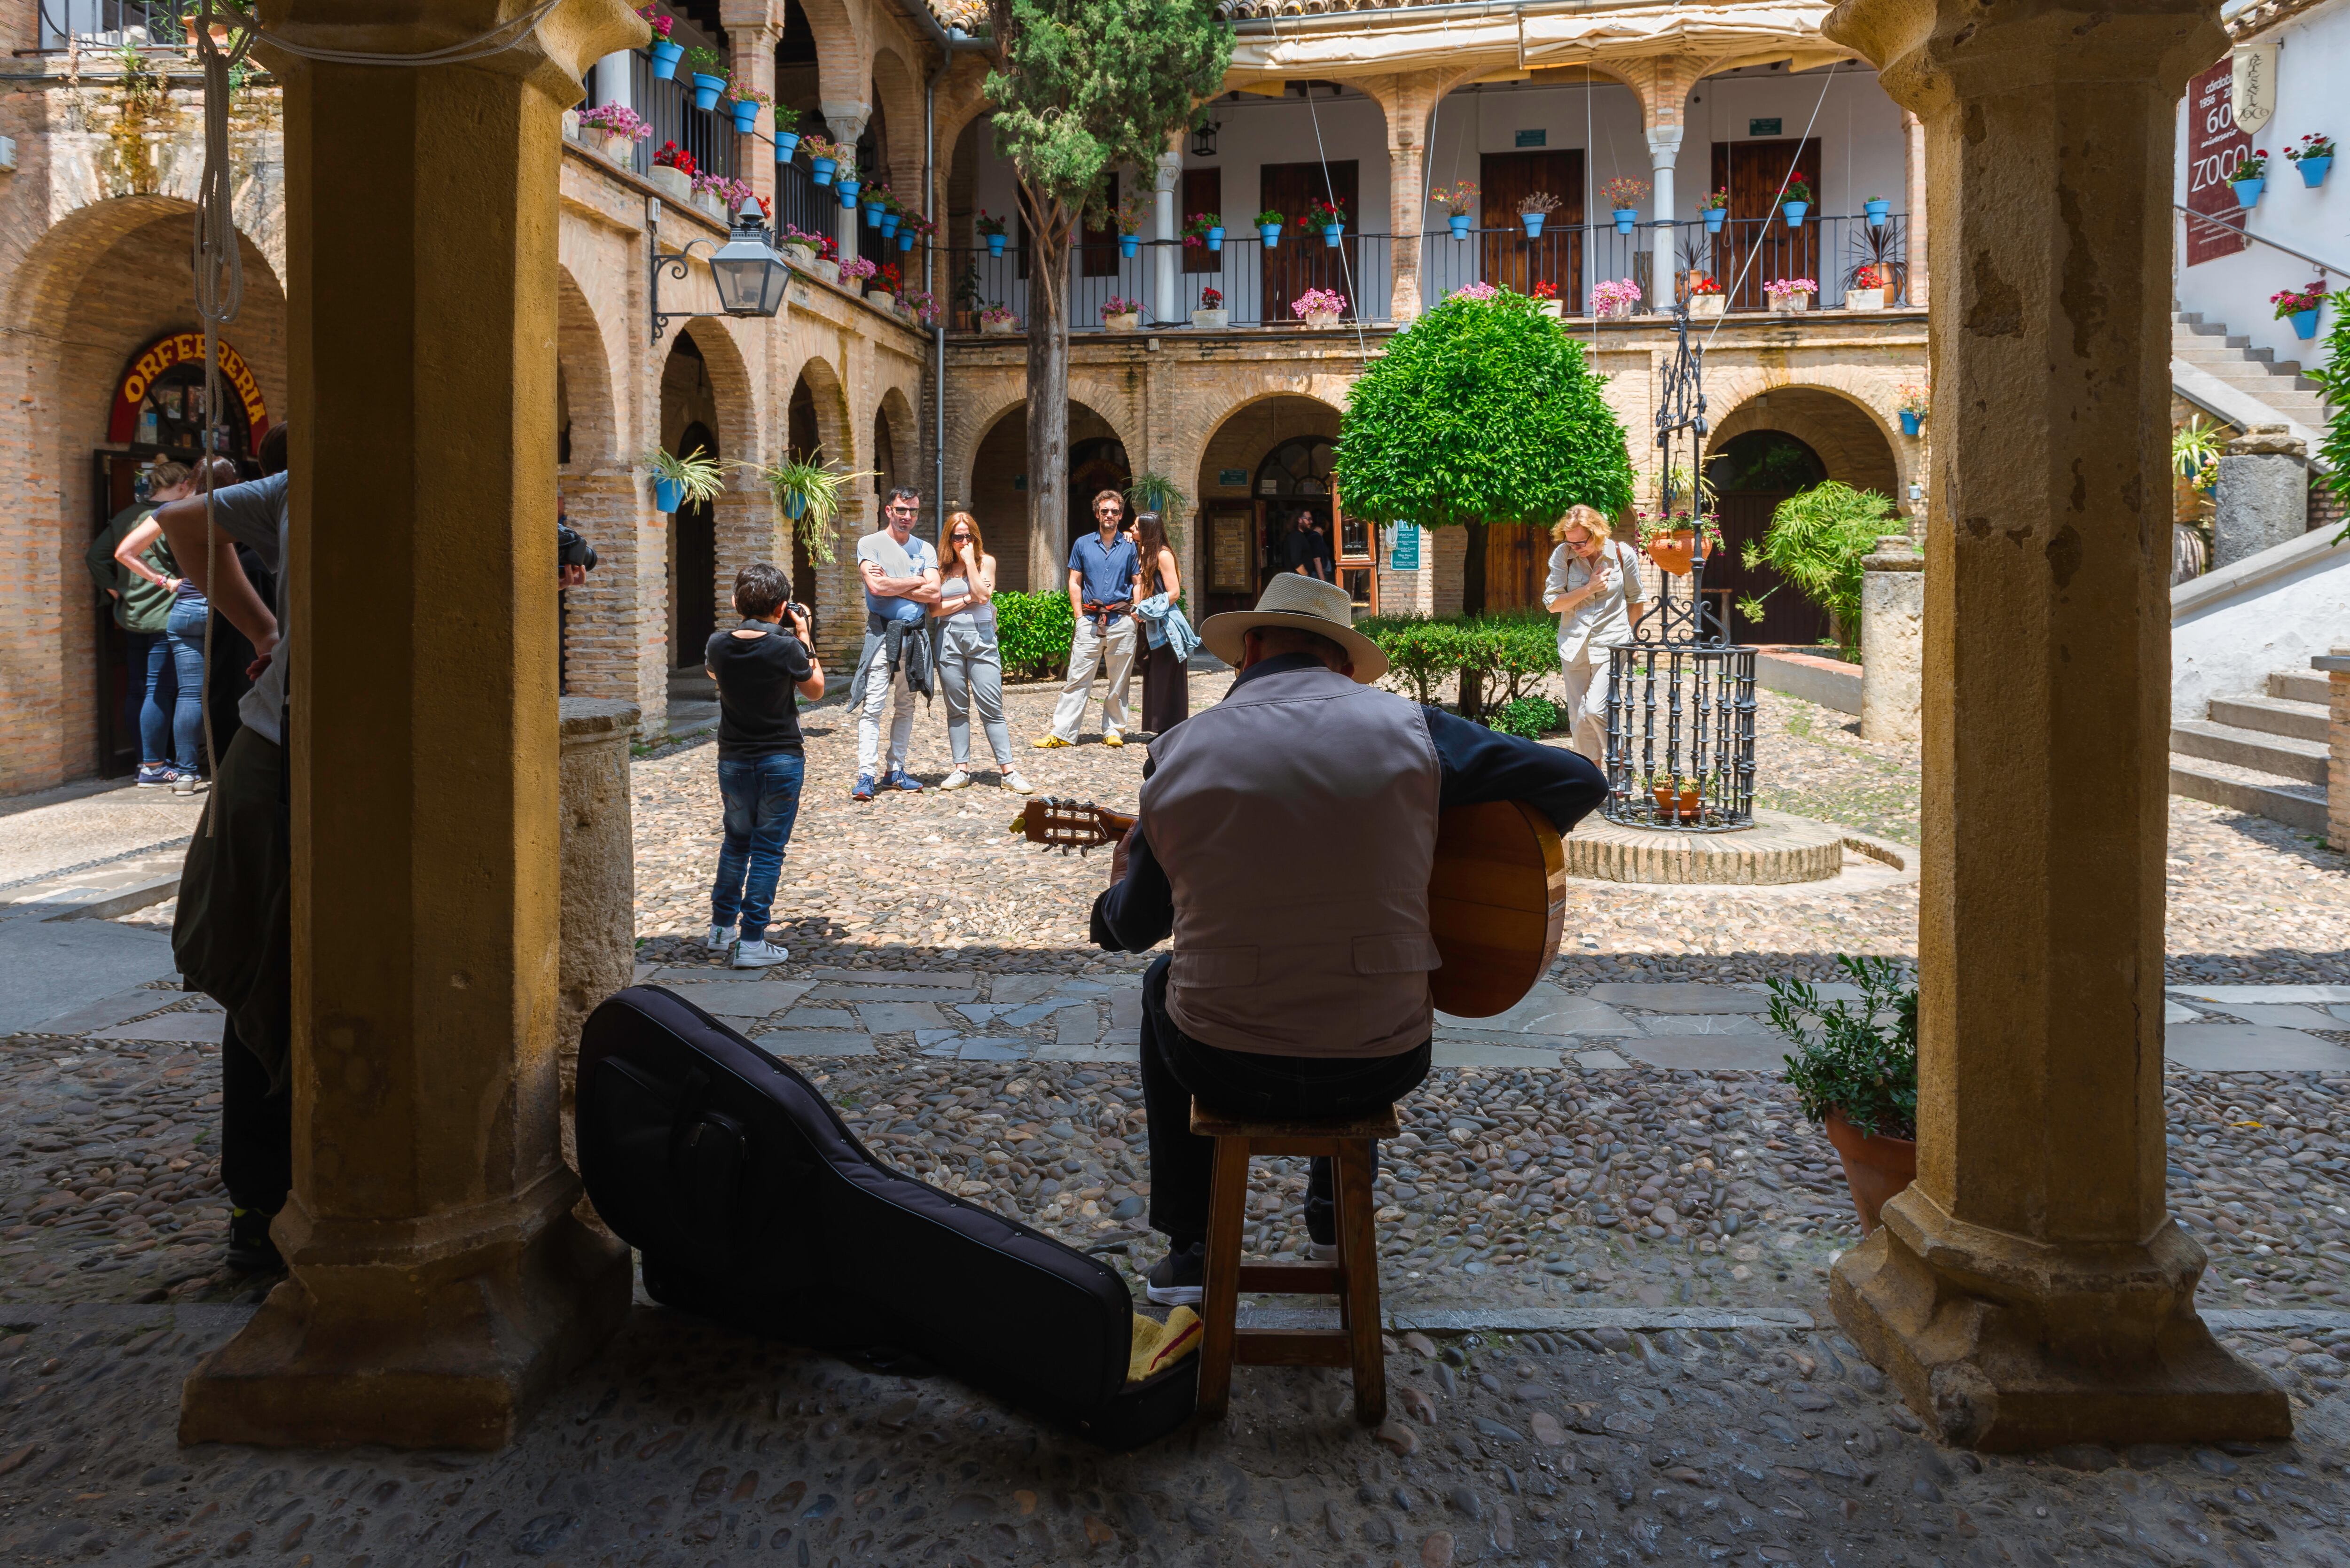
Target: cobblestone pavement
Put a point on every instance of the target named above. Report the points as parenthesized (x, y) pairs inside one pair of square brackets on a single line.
[(686, 1444)]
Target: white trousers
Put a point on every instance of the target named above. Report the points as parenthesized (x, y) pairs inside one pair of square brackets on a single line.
[(868, 722), (1086, 655), (1585, 675)]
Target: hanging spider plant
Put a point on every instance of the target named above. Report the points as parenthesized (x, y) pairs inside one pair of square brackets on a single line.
[(807, 493), (1148, 492), (691, 480)]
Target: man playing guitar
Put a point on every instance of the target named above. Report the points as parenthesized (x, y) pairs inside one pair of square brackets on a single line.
[(1285, 842)]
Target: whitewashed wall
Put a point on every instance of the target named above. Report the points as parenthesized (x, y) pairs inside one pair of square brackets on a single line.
[(2275, 610)]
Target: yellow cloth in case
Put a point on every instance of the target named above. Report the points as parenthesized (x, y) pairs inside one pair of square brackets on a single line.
[(1159, 1346)]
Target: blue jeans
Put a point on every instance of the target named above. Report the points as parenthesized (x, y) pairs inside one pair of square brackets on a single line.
[(150, 667), (185, 633), (762, 801)]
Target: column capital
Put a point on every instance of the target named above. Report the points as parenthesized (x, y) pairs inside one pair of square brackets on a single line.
[(1169, 168), (1665, 142), (845, 118), (1930, 54)]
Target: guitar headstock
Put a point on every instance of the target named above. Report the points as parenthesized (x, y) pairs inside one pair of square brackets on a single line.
[(1078, 824)]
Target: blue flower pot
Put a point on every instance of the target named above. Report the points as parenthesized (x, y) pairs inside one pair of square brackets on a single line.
[(706, 89), (2248, 192), (1625, 218), (995, 244), (1713, 218), (1128, 244), (1459, 224), (746, 116), (2304, 324), (796, 505), (1333, 234), (821, 169), (874, 214), (1271, 235), (847, 188), (906, 238), (1534, 222), (1909, 423), (786, 142), (1877, 211), (1795, 211), (1216, 238), (665, 56), (2312, 170), (668, 493), (891, 223)]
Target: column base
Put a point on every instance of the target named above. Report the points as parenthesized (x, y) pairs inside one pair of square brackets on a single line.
[(2006, 1344), (418, 1344)]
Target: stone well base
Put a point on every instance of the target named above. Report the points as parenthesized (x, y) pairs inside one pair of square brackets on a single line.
[(1777, 849)]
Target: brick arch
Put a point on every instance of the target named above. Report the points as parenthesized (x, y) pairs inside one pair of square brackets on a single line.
[(840, 49), (1847, 415), (835, 430), (598, 489), (989, 494), (581, 352), (897, 96), (895, 413)]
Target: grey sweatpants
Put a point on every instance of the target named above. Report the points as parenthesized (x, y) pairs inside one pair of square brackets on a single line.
[(970, 670)]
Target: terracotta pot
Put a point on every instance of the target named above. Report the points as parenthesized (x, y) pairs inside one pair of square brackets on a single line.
[(1692, 806), (1664, 794), (1673, 552), (1874, 1167)]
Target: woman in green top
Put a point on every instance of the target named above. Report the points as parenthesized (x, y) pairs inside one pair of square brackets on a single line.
[(143, 589)]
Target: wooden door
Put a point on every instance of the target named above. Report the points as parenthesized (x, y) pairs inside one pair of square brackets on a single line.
[(1756, 245), (1098, 247), (1788, 618), (1203, 192), (1302, 261), (1513, 261), (1516, 555)]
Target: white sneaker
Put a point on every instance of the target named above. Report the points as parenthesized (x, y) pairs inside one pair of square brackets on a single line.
[(1015, 783), (756, 955), (959, 779), (718, 940)]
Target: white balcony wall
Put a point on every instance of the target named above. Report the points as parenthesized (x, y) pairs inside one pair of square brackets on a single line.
[(2313, 64)]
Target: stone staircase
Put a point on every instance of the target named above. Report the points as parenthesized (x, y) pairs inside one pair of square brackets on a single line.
[(2257, 373), (2262, 752)]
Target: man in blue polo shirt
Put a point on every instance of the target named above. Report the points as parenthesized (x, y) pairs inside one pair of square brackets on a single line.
[(1102, 570)]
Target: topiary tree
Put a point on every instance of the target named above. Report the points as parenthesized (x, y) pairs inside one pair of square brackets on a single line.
[(1480, 411), (1079, 87)]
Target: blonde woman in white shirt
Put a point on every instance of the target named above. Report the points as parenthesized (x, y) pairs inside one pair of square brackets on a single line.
[(1594, 588)]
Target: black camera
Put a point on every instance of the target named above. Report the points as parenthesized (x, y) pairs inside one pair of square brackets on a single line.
[(572, 548), (806, 612)]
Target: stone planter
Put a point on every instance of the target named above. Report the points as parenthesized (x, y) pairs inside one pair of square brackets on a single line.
[(1874, 1167), (1321, 320), (1703, 306), (999, 328), (618, 146), (673, 184), (1864, 299), (1127, 321), (1792, 303), (1555, 309), (882, 297), (801, 257), (571, 125), (828, 270), (1618, 312), (1217, 319), (711, 205)]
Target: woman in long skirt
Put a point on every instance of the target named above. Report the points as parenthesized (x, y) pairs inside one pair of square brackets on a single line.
[(1166, 687), (971, 670)]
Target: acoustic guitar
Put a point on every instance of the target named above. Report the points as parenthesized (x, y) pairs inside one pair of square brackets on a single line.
[(1496, 894)]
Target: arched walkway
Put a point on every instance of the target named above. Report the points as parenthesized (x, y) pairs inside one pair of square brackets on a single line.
[(997, 486), (707, 381), (1241, 527), (596, 489), (824, 570), (1849, 437)]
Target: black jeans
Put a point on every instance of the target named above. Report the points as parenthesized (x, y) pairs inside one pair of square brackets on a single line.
[(256, 1129), (1243, 1084)]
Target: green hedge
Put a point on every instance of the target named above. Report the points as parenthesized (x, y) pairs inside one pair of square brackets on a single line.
[(1511, 652), (1033, 631)]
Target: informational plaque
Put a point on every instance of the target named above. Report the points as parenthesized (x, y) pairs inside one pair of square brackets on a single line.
[(2215, 145), (1229, 566), (1404, 554)]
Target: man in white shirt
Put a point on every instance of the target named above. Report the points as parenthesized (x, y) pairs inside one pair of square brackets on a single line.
[(901, 573), (1594, 588)]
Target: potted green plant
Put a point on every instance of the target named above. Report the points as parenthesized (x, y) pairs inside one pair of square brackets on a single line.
[(823, 157), (1714, 208), (787, 140), (1456, 200), (1533, 210), (1877, 208), (807, 493), (991, 230), (1206, 230), (1149, 492), (1130, 214), (1328, 219), (2314, 156), (679, 481), (744, 103), (1797, 201), (1854, 1072), (1268, 228), (2249, 177), (1915, 402), (1624, 196), (709, 74)]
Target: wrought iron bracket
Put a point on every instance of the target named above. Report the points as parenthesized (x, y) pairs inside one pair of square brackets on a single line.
[(675, 263)]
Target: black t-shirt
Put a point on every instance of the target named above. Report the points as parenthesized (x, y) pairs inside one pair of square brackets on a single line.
[(758, 711), (1298, 549)]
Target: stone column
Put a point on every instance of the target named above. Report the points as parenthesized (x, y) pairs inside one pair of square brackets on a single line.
[(2337, 668), (1664, 152), (1913, 169), (2262, 497), (844, 123), (613, 82), (440, 1282), (600, 875), (2031, 1288), (1166, 305), (1407, 98), (1892, 639)]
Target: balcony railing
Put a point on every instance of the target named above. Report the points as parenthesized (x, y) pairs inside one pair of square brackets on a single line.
[(1260, 285), (110, 24), (667, 105)]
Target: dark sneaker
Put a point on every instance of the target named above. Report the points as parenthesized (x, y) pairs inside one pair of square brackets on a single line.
[(864, 790), (901, 779), (250, 1249), (158, 776), (1177, 1278)]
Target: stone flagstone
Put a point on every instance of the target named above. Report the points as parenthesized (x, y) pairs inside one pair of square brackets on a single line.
[(2312, 994), (1548, 1011), (1679, 996), (1676, 1025), (817, 1042), (1708, 1053), (186, 1028), (2252, 1048), (2280, 1016)]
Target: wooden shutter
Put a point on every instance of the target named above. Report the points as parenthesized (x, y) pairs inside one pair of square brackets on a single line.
[(1512, 260), (1203, 192), (1302, 261)]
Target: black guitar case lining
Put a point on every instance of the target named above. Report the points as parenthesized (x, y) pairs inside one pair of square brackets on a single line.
[(752, 1202)]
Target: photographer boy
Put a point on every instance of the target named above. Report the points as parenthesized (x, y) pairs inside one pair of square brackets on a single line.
[(759, 666)]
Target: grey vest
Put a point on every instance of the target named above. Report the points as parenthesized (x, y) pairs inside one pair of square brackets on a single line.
[(1296, 821)]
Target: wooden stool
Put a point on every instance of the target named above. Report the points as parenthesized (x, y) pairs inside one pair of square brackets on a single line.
[(1354, 1278)]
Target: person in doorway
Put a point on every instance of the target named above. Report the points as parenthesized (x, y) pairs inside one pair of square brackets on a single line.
[(1102, 568), (144, 588), (1594, 588), (183, 629), (901, 582), (1325, 560), (232, 936), (971, 667), (1168, 640), (763, 669), (1285, 841), (1298, 547)]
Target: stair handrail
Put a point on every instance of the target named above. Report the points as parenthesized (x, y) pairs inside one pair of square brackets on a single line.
[(2246, 234)]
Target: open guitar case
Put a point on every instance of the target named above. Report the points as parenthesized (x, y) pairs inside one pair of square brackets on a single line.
[(750, 1202)]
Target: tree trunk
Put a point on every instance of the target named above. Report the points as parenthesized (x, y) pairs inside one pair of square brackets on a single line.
[(1048, 392), (1472, 572)]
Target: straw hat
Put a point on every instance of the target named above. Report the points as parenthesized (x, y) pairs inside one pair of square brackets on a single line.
[(1306, 603)]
